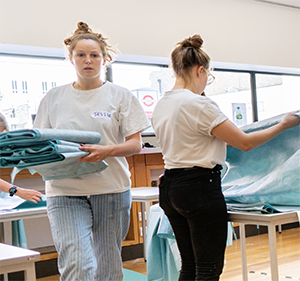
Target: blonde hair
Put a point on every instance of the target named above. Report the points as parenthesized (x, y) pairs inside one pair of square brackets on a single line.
[(83, 31), (187, 54)]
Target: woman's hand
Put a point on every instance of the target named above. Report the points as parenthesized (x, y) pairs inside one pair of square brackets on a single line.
[(291, 120), (29, 194), (132, 145), (97, 152)]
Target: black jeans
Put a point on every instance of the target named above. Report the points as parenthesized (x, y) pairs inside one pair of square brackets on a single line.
[(192, 200)]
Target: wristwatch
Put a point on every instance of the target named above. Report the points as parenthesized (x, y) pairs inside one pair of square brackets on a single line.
[(13, 190)]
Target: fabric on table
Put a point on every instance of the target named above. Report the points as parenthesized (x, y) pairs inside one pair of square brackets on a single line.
[(163, 257), (15, 202), (259, 207), (50, 152), (266, 174)]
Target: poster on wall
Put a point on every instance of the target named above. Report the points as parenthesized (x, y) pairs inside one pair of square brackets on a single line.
[(148, 98), (239, 114)]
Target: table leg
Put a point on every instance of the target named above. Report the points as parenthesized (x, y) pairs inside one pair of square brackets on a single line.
[(243, 251), (144, 229), (29, 273), (5, 237), (273, 252), (7, 231), (1, 232)]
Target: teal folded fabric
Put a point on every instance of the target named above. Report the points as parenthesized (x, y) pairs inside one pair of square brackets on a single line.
[(27, 135), (259, 207), (268, 174), (50, 152), (37, 153)]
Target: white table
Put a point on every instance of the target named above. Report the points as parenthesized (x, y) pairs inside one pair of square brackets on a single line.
[(145, 195), (270, 220), (13, 259), (6, 217)]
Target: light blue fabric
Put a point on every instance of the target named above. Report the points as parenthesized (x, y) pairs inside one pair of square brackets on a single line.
[(129, 275), (50, 152), (18, 234), (161, 265), (267, 174), (259, 207), (163, 257), (28, 135)]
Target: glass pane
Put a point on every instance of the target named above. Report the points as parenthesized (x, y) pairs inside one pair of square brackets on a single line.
[(135, 76), (147, 82), (231, 91), (277, 94), (35, 76)]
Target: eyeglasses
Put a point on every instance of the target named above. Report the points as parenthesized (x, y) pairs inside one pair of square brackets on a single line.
[(210, 77)]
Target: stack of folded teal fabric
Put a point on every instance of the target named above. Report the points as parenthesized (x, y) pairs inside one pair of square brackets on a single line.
[(50, 152)]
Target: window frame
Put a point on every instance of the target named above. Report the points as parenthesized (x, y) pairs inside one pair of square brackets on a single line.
[(61, 54)]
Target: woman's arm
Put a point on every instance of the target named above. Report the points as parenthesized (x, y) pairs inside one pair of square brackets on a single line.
[(132, 145), (26, 194), (234, 136)]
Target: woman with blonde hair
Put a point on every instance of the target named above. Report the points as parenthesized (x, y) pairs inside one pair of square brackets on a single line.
[(89, 215), (192, 133)]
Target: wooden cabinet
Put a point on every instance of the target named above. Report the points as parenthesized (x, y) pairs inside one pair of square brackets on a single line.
[(140, 166)]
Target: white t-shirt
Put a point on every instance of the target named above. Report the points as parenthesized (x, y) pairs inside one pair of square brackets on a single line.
[(112, 111), (183, 122)]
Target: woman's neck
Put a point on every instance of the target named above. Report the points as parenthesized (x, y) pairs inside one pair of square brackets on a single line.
[(87, 85), (181, 84)]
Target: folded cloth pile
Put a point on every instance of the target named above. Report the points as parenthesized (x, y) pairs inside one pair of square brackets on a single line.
[(50, 152)]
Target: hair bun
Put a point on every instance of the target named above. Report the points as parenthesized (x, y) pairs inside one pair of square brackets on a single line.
[(192, 42), (82, 26)]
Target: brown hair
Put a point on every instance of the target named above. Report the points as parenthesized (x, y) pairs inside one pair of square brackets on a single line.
[(3, 124), (83, 31), (187, 54)]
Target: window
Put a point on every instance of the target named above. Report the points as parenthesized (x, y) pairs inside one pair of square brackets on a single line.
[(231, 91), (24, 87), (147, 82), (44, 87), (277, 94), (14, 87), (244, 95), (41, 73)]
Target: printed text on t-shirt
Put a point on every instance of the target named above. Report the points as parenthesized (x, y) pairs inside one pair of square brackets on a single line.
[(98, 114)]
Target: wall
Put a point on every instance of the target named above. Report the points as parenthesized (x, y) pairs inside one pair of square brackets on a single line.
[(238, 31)]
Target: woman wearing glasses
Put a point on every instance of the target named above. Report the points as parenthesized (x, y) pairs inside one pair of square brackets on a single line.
[(192, 133)]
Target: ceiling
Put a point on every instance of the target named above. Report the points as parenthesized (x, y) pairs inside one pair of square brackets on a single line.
[(287, 3)]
